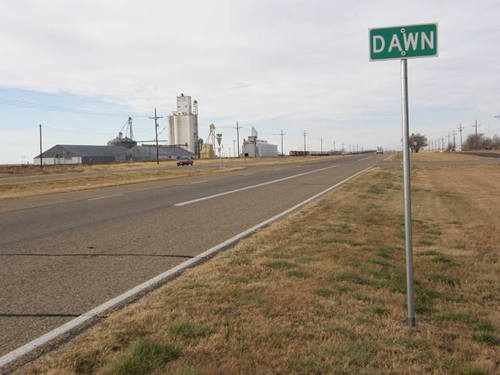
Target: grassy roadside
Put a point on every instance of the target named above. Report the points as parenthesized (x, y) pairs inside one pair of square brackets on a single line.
[(123, 174), (323, 292), (79, 183), (432, 156), (34, 170)]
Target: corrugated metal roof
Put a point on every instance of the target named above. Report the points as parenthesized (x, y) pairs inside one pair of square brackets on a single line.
[(82, 150), (118, 152)]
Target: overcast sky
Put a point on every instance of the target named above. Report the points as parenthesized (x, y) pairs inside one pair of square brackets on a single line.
[(81, 67)]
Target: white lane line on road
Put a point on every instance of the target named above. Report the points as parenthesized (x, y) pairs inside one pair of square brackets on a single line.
[(104, 197), (250, 187), (369, 157), (165, 276), (198, 182)]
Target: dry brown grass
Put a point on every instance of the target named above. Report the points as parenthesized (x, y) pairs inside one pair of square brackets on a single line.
[(122, 174), (430, 156), (34, 170), (323, 291), (78, 183)]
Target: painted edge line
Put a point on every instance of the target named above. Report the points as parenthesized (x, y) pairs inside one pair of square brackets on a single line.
[(173, 272), (185, 203)]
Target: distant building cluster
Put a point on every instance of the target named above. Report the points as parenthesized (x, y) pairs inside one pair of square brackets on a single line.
[(254, 147), (183, 143)]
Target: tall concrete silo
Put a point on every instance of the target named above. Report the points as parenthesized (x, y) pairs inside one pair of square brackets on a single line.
[(183, 125)]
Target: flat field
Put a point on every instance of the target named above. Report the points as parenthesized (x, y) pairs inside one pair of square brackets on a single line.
[(59, 179), (323, 292)]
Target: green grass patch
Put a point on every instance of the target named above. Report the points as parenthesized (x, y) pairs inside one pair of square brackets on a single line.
[(85, 362), (354, 278), (486, 338), (344, 288), (188, 371), (306, 259), (280, 265), (242, 261), (361, 297), (279, 256), (358, 354), (144, 357), (443, 259), (425, 243), (375, 189), (444, 279), (188, 330), (384, 254), (339, 330), (457, 317), (375, 309), (299, 274), (307, 366), (424, 299), (339, 240), (236, 279), (467, 370), (429, 253), (343, 228), (323, 292)]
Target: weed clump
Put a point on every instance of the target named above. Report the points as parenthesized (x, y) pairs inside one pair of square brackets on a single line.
[(189, 330), (144, 357)]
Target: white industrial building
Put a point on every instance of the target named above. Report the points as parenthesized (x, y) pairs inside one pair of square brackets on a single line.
[(253, 147), (183, 125)]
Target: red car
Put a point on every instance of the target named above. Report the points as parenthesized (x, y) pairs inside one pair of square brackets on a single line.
[(184, 162)]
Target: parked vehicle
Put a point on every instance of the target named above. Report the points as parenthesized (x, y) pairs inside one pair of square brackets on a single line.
[(184, 162)]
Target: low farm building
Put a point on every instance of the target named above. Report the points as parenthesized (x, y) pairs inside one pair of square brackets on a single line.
[(88, 154)]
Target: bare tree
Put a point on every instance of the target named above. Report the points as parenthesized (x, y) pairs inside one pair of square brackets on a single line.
[(417, 141)]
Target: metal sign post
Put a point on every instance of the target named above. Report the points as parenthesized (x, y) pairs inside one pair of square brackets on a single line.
[(403, 42), (407, 189)]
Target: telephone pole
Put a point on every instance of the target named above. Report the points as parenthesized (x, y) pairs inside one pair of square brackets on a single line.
[(156, 137), (238, 138), (305, 140), (41, 157), (282, 134), (475, 126), (460, 129), (454, 143)]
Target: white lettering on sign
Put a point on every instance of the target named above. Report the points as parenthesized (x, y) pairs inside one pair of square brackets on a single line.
[(410, 39), (425, 40), (382, 43), (395, 43)]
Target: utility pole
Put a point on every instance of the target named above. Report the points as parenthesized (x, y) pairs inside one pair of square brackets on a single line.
[(282, 134), (156, 137), (454, 144), (448, 145), (460, 129), (475, 126), (238, 138), (305, 140), (41, 157)]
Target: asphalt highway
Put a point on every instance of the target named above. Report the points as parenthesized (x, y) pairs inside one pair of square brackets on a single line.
[(63, 254)]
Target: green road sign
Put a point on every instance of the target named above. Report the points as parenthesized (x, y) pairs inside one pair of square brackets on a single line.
[(403, 42)]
